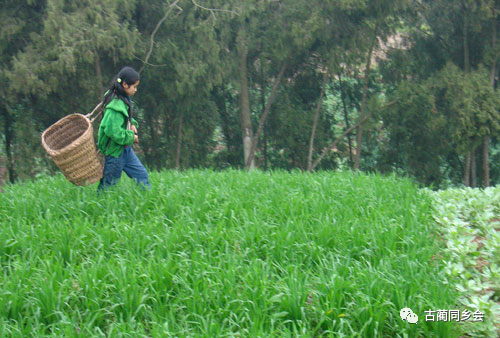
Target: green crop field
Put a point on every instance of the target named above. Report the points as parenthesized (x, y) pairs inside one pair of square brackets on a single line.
[(229, 254)]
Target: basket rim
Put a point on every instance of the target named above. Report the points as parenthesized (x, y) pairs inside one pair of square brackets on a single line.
[(70, 146)]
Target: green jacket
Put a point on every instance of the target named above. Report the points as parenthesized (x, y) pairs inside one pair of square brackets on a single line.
[(113, 134)]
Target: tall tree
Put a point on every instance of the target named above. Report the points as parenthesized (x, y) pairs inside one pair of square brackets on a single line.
[(20, 19), (454, 32), (185, 61), (258, 35)]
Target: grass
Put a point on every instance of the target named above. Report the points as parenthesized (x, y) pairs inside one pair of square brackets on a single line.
[(221, 254)]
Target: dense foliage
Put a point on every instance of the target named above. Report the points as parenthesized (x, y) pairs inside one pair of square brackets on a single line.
[(469, 224), (269, 84)]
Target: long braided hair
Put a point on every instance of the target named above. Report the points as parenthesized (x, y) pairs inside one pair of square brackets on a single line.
[(126, 75)]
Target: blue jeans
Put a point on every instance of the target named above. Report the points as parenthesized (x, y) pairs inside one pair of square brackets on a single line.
[(128, 162)]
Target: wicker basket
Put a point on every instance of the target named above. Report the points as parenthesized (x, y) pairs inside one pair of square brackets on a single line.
[(70, 143)]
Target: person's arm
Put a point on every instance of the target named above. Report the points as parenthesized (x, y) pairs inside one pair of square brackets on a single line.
[(116, 132)]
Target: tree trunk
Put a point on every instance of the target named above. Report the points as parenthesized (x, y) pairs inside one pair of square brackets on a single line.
[(179, 143), (346, 118), (220, 101), (315, 121), (9, 139), (494, 47), (334, 144), (467, 170), (263, 105), (98, 74), (473, 169), (486, 170), (486, 138), (263, 118), (359, 135), (153, 130), (466, 43), (3, 175), (468, 159), (345, 133), (246, 122)]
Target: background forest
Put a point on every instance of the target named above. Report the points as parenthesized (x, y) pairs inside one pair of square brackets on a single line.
[(405, 86)]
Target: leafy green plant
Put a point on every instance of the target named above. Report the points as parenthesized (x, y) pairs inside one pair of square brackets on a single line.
[(469, 224)]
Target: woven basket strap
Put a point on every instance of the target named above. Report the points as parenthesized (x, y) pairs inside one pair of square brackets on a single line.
[(97, 108)]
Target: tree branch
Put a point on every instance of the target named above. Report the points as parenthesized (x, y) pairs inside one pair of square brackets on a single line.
[(152, 38), (359, 135), (332, 146), (251, 154), (315, 120), (346, 132), (147, 63), (212, 10)]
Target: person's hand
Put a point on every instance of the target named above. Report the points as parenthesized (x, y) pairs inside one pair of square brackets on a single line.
[(136, 139), (133, 128)]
